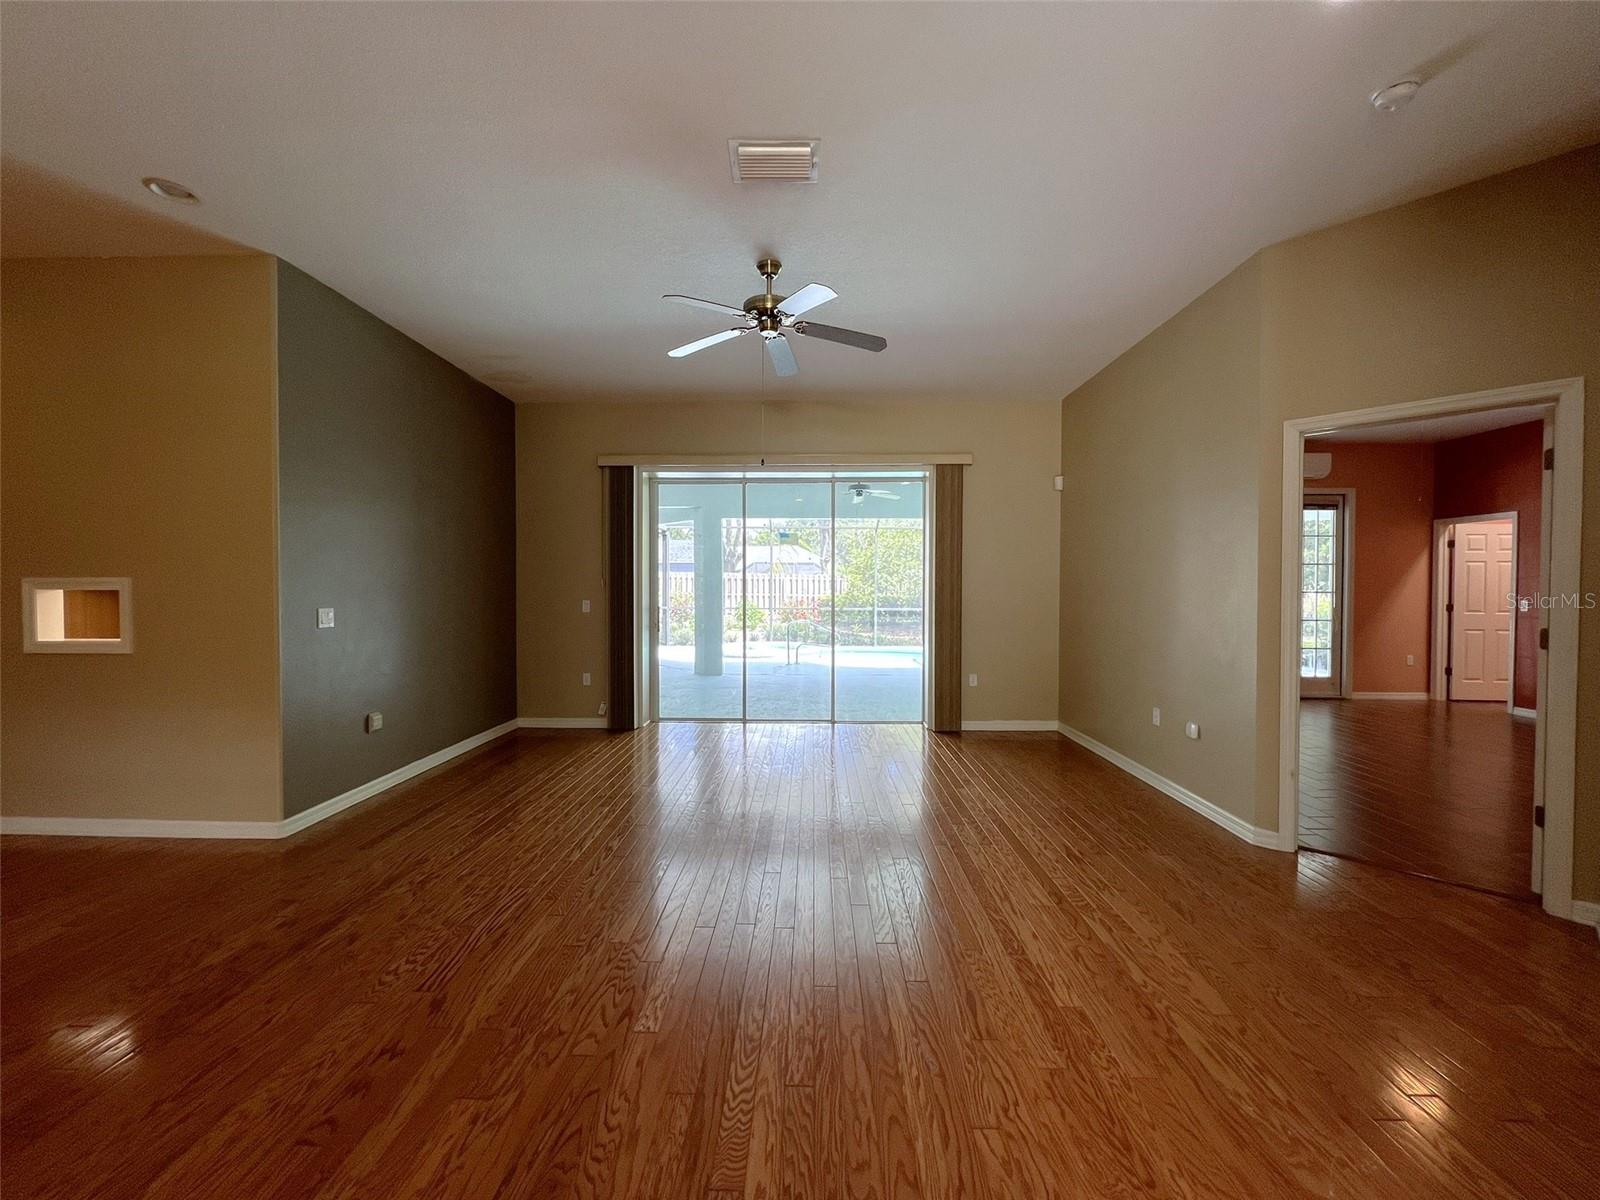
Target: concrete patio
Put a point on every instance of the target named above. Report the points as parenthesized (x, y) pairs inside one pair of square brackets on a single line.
[(871, 684)]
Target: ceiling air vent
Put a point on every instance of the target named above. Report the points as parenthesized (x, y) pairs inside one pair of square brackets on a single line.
[(773, 162)]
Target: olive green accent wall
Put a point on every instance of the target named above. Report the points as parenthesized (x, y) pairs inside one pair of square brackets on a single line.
[(396, 504)]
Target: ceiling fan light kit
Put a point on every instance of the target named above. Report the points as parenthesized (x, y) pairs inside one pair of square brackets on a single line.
[(774, 317)]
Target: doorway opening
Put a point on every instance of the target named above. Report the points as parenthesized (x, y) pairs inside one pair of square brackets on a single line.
[(788, 596), (1430, 684)]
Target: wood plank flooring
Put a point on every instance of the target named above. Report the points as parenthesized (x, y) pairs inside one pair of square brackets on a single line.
[(713, 961), (1445, 790)]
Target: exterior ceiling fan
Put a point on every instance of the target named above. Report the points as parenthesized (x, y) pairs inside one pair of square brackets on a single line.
[(860, 491), (774, 318)]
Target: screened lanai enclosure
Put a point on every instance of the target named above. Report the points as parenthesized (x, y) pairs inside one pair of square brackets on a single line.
[(792, 597)]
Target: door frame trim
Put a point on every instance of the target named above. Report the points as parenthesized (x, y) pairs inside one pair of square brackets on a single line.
[(1439, 638), (1555, 737)]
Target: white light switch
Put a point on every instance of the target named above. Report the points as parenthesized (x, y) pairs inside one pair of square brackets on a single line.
[(972, 681), (1155, 716), (374, 722), (324, 618), (1192, 729), (585, 606)]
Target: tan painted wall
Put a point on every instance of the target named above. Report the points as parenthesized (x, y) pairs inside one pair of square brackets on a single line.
[(1011, 575), (1160, 503), (1489, 285), (139, 440)]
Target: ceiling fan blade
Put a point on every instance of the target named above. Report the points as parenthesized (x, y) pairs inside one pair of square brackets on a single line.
[(807, 298), (686, 350), (711, 304), (782, 355), (845, 337)]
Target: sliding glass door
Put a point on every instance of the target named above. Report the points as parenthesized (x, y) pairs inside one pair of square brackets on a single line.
[(789, 597), (880, 564), (788, 613)]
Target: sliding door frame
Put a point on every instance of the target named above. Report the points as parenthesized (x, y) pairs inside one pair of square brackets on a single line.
[(647, 605)]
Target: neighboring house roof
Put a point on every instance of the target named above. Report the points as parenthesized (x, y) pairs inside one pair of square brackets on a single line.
[(795, 560), (789, 558)]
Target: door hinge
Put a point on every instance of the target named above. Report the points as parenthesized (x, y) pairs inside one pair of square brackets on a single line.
[(1538, 815), (1544, 638), (1550, 459), (1449, 608), (1447, 671), (1451, 544)]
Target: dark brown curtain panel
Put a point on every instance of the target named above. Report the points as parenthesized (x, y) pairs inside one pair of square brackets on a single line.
[(947, 506), (619, 485)]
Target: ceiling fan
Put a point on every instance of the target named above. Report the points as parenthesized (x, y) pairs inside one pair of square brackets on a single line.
[(774, 318), (860, 491)]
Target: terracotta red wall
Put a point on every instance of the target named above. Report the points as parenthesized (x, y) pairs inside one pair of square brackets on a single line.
[(1501, 471), (1394, 490)]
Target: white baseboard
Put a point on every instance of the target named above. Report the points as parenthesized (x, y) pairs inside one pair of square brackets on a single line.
[(1009, 726), (116, 827), (1238, 826), (1388, 695), (561, 723), (1530, 713), (383, 783), (1587, 912), (129, 827)]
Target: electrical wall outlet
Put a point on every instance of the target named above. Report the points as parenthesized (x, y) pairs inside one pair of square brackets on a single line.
[(324, 618), (1155, 716), (374, 722), (587, 679), (1411, 660), (585, 606), (972, 681), (602, 708), (1192, 729)]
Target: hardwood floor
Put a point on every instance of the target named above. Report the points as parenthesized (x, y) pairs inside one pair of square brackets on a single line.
[(714, 960), (1445, 790)]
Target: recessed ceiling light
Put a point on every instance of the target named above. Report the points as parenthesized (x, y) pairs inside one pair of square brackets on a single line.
[(1396, 96), (168, 190)]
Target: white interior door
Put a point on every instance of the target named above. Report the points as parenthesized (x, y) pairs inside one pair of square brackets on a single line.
[(1483, 577)]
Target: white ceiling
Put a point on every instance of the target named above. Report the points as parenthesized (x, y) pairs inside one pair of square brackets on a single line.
[(1429, 429), (1012, 195)]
